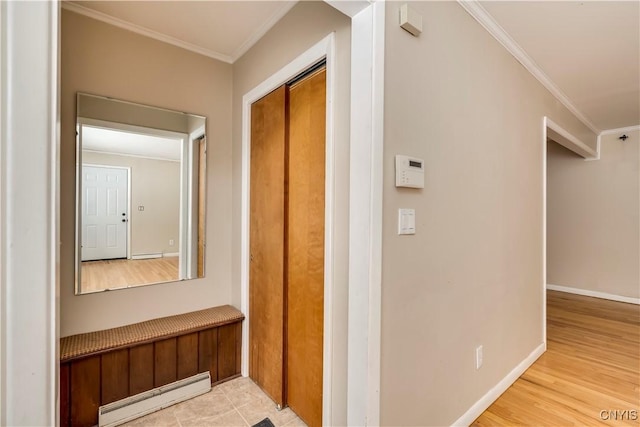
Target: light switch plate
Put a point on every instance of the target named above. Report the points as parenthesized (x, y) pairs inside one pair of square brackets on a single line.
[(406, 221)]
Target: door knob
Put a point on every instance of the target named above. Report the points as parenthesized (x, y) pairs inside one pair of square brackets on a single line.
[(124, 220)]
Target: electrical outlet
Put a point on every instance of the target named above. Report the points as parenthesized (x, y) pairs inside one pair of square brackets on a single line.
[(479, 357), (171, 242)]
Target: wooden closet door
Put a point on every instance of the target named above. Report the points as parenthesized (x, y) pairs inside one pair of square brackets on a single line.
[(305, 252), (267, 227)]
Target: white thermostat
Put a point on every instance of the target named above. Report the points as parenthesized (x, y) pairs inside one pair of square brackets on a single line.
[(409, 172)]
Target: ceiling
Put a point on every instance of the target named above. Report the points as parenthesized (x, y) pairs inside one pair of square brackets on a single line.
[(589, 49), (223, 30), (111, 141), (587, 52)]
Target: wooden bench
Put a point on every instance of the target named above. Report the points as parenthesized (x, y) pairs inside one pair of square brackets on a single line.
[(101, 367)]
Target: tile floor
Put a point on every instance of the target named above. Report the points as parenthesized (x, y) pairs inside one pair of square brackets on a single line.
[(239, 402)]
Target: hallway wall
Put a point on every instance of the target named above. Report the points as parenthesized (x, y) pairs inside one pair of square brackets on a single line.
[(593, 218), (473, 273), (101, 59)]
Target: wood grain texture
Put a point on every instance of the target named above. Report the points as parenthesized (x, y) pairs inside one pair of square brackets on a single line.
[(266, 271), (115, 376), (238, 348), (85, 391), (65, 395), (121, 273), (141, 368), (165, 362), (227, 338), (187, 355), (208, 353), (592, 364), (305, 252), (87, 382)]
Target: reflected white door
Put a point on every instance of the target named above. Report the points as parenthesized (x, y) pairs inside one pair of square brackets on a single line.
[(104, 212)]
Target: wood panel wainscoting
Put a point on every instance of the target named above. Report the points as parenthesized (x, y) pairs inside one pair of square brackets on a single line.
[(101, 367)]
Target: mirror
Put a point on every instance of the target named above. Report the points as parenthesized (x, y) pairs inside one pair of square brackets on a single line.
[(140, 195)]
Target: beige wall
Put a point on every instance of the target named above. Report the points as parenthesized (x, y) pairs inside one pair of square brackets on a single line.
[(110, 110), (593, 218), (472, 273), (104, 60), (306, 24), (155, 184)]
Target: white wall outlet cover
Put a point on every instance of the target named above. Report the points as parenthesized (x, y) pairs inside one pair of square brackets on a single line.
[(410, 20), (479, 357)]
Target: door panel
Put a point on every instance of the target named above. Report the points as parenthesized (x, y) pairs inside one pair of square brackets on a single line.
[(267, 218), (104, 212), (305, 238)]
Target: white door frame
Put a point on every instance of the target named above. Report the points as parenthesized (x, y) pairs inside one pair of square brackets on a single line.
[(29, 213), (365, 201), (365, 214), (321, 50), (558, 134)]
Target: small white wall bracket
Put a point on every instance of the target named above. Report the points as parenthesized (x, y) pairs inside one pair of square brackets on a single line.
[(410, 20)]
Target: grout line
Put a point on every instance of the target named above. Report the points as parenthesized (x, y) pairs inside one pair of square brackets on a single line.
[(243, 418), (227, 413)]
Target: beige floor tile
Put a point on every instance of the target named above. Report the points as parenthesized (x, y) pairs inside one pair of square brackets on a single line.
[(163, 418), (234, 384), (245, 392), (208, 405), (254, 413), (296, 422), (236, 403), (229, 419)]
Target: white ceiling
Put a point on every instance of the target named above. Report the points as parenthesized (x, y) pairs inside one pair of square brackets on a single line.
[(111, 141), (223, 30), (587, 51)]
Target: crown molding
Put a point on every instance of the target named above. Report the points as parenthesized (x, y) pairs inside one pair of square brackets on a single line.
[(564, 138), (82, 10), (350, 8), (480, 14), (618, 130), (262, 30)]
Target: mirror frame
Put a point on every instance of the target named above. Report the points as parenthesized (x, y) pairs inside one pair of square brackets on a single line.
[(193, 200)]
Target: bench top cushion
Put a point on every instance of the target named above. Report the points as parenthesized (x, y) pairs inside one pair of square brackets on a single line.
[(76, 346)]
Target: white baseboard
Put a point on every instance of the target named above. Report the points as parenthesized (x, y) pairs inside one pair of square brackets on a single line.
[(146, 256), (170, 254), (492, 395), (594, 294)]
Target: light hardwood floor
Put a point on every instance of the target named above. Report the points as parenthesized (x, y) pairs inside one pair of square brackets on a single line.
[(592, 364), (122, 273)]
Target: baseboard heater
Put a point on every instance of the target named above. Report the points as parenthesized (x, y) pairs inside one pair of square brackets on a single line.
[(133, 407)]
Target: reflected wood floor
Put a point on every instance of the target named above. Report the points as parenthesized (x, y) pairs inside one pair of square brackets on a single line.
[(592, 364), (122, 273)]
